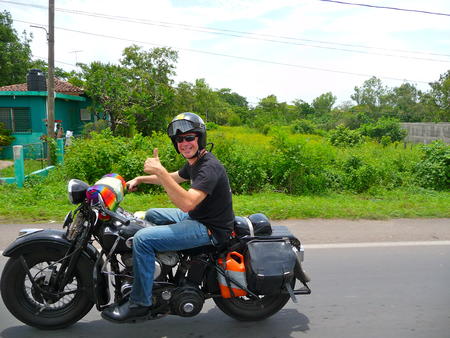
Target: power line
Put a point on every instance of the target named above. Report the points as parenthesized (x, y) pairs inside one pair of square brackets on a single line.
[(386, 7), (234, 56), (249, 35), (57, 61), (252, 36)]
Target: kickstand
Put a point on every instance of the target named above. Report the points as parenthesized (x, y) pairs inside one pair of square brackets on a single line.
[(291, 292)]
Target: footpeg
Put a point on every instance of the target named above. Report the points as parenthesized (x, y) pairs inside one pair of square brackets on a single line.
[(305, 290)]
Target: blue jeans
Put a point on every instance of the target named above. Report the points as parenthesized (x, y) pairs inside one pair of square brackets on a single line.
[(184, 233)]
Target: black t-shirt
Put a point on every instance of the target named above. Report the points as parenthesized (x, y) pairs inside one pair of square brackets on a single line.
[(216, 210)]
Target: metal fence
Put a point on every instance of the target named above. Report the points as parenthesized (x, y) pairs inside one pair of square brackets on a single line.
[(32, 151)]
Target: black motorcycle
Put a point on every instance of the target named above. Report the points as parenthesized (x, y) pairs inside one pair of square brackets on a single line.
[(54, 277)]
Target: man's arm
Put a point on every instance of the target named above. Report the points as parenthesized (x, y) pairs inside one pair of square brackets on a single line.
[(151, 179), (185, 200)]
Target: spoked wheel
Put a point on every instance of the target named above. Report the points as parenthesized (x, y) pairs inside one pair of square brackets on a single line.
[(248, 309), (32, 298)]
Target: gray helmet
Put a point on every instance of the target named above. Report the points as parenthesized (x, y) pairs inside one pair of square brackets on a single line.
[(184, 123)]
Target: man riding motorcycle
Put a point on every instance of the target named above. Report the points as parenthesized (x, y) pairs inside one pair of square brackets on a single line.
[(204, 212)]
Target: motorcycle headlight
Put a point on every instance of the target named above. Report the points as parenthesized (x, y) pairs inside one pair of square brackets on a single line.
[(77, 191)]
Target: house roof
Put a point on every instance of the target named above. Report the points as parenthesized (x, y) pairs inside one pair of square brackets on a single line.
[(61, 86)]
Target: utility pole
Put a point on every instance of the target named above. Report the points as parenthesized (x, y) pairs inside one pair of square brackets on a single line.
[(51, 76)]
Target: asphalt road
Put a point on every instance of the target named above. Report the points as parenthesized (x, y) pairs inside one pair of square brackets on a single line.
[(321, 231), (379, 289)]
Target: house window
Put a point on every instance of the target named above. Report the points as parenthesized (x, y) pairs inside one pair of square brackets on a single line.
[(85, 115), (18, 120)]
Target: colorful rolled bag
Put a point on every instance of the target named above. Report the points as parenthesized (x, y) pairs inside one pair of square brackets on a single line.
[(110, 189)]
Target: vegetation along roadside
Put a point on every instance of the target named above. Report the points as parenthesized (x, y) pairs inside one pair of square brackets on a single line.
[(282, 174)]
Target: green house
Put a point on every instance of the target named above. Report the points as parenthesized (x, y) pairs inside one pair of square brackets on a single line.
[(23, 110)]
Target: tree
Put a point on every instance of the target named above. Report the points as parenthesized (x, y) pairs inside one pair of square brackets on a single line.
[(271, 112), (304, 109), (106, 85), (206, 101), (232, 98), (184, 97), (324, 103), (372, 95), (136, 94), (200, 98), (404, 102), (15, 55), (150, 79), (438, 99)]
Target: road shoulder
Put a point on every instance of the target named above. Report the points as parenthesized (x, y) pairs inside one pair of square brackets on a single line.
[(322, 231)]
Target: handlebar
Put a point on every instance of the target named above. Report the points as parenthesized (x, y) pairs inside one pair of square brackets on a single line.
[(116, 216)]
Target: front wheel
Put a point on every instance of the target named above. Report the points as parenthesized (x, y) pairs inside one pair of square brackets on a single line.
[(248, 309), (44, 310)]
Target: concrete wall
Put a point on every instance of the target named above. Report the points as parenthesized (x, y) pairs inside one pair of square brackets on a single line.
[(427, 132)]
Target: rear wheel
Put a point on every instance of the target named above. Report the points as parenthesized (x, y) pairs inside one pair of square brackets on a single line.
[(248, 309), (44, 310)]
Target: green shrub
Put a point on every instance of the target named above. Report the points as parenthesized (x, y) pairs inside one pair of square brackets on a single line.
[(291, 163), (372, 165), (246, 164), (300, 165), (90, 159), (385, 140), (383, 128), (234, 120), (5, 136), (96, 126), (211, 126), (344, 137), (433, 171), (304, 127), (361, 179), (6, 140), (51, 147)]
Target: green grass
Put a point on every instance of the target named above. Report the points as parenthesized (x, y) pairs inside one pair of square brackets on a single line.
[(43, 202), (30, 166)]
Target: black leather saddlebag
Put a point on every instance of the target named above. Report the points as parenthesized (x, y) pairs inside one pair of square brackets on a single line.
[(269, 265), (253, 225)]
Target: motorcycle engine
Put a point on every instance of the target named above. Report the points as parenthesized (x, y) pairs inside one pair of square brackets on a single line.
[(127, 260), (186, 301), (163, 262)]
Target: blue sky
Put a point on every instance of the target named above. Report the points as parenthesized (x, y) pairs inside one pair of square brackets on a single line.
[(296, 49)]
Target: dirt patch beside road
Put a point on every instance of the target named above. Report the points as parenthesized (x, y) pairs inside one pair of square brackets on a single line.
[(5, 164)]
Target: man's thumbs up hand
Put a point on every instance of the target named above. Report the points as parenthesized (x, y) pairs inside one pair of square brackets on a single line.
[(152, 165)]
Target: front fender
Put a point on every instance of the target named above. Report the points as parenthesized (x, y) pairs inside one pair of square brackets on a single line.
[(54, 240), (45, 239)]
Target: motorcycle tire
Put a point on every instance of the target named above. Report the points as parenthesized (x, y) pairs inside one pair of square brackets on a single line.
[(247, 309), (30, 306)]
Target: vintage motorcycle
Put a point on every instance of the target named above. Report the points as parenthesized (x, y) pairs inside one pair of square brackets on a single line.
[(54, 277)]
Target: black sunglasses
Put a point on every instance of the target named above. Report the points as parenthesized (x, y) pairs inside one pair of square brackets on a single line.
[(188, 138)]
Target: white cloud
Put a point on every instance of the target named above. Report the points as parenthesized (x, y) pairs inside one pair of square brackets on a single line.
[(309, 19)]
